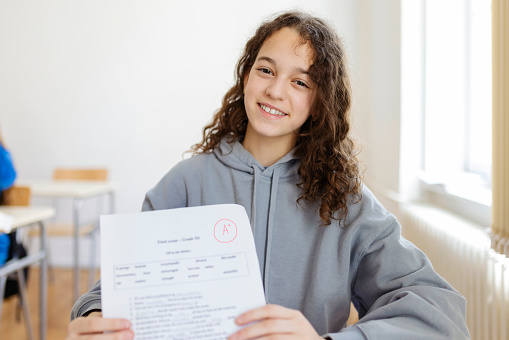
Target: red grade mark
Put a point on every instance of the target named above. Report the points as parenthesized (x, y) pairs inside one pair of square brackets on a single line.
[(225, 231)]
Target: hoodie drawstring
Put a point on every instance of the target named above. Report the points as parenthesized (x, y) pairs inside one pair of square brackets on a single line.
[(270, 223), (253, 205)]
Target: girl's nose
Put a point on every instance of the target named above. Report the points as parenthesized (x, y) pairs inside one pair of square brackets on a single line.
[(276, 90)]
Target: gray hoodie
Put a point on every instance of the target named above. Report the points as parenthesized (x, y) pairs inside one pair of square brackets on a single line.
[(315, 269)]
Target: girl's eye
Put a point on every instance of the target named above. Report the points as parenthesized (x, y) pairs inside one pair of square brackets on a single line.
[(265, 70), (301, 83)]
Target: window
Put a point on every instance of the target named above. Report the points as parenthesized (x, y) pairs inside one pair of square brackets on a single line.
[(456, 96)]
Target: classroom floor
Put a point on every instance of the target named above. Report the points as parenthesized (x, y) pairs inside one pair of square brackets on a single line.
[(59, 306)]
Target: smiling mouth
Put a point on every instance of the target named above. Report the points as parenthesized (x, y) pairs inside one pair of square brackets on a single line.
[(273, 112)]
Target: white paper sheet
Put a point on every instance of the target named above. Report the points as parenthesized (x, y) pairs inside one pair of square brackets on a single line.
[(180, 273)]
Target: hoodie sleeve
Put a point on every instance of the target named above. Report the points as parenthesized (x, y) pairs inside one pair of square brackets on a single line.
[(399, 296), (88, 302)]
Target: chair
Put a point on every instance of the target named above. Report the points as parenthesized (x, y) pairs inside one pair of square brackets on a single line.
[(68, 174), (90, 229), (80, 174), (354, 316), (18, 195), (87, 229)]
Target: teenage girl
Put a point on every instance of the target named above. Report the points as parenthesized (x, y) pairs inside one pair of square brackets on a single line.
[(280, 146)]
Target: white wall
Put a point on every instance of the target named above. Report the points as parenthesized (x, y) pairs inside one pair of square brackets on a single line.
[(130, 84), (122, 84), (377, 95)]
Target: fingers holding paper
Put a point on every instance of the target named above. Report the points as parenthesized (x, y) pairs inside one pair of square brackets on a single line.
[(94, 327), (274, 322)]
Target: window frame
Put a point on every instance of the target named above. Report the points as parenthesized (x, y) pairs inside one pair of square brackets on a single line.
[(473, 204)]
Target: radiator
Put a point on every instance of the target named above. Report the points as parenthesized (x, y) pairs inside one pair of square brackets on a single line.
[(460, 252)]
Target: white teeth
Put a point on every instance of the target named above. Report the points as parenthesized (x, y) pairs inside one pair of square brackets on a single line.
[(272, 111)]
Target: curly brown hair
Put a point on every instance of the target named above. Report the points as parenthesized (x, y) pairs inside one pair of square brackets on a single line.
[(329, 168)]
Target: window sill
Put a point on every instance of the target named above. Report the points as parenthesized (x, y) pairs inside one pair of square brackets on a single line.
[(465, 195)]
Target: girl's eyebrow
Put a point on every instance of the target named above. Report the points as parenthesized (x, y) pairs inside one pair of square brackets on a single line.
[(273, 62)]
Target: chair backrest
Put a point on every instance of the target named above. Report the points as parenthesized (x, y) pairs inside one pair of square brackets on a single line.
[(80, 174), (16, 196)]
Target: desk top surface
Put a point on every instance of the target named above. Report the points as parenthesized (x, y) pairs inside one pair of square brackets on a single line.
[(61, 188), (27, 215)]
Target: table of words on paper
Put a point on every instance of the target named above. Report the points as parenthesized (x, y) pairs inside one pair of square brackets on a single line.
[(175, 271)]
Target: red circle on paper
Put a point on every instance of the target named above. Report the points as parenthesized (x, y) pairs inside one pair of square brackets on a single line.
[(223, 226)]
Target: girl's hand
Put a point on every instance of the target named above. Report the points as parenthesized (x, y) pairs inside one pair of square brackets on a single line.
[(274, 322), (94, 325)]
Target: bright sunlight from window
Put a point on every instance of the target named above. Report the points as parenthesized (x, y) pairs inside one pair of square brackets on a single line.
[(457, 92)]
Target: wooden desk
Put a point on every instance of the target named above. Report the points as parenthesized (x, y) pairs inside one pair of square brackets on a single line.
[(25, 216), (78, 191)]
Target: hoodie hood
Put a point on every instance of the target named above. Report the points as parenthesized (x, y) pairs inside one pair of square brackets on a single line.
[(236, 157)]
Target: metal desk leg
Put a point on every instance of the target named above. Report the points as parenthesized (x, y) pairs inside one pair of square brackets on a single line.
[(77, 205), (43, 294), (93, 238), (112, 202), (3, 280), (91, 259), (24, 301)]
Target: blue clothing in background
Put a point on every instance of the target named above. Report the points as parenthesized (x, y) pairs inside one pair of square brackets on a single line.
[(7, 171), (7, 177), (5, 243)]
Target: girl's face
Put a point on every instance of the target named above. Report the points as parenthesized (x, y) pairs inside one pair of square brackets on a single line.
[(278, 92)]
